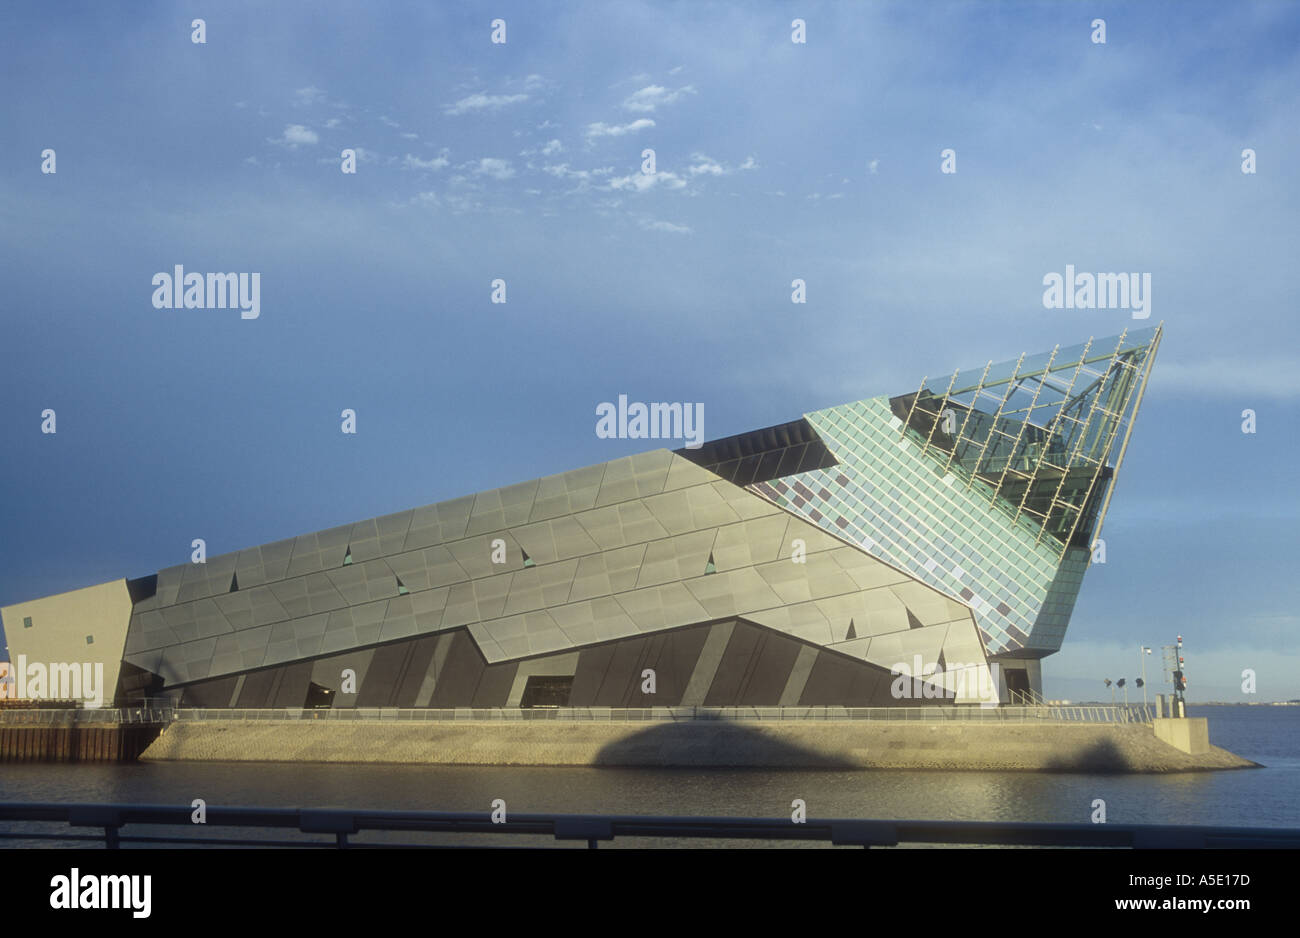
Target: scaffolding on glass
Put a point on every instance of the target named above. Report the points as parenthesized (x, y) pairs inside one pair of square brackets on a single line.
[(1036, 435)]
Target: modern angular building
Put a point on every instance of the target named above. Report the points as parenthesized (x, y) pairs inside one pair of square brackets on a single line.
[(942, 530)]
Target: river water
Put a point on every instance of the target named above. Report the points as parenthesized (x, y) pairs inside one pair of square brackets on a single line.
[(1267, 797)]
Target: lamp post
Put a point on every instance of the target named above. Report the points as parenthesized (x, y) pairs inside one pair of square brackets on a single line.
[(1143, 682)]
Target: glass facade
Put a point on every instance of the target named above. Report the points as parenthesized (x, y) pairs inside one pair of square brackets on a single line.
[(990, 485)]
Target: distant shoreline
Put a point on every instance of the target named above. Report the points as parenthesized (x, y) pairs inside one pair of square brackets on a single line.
[(1192, 703)]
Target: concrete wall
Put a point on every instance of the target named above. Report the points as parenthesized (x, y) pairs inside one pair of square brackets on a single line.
[(1189, 734), (62, 623), (846, 745)]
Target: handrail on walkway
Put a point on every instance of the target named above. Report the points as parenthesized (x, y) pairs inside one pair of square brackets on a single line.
[(163, 714)]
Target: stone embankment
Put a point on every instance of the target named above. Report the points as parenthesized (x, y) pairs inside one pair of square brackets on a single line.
[(1035, 747)]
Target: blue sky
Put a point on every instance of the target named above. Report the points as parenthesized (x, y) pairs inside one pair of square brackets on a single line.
[(520, 161)]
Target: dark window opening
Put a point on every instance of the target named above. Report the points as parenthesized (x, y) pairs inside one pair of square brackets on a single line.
[(347, 559), (1017, 685), (319, 697), (27, 622), (528, 561), (710, 567), (401, 587), (234, 582), (547, 691)]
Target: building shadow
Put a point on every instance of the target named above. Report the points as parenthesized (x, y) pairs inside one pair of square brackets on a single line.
[(716, 744)]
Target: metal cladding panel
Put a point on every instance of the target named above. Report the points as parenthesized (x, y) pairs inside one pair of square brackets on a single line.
[(753, 666), (589, 678), (383, 676), (835, 681), (256, 692), (214, 694), (417, 670), (651, 544), (292, 689), (494, 687), (460, 674)]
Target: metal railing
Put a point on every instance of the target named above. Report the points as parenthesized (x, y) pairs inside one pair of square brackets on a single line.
[(101, 716), (339, 826), (155, 714), (1059, 714)]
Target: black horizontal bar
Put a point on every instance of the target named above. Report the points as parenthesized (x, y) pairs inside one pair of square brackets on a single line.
[(844, 831)]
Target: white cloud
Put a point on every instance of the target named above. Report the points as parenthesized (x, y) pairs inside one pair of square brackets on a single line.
[(332, 123), (562, 171), (496, 168), (411, 136), (617, 130), (433, 165), (653, 96), (705, 166), (665, 226), (296, 135), (640, 182), (552, 147), (482, 102), (385, 119), (309, 95)]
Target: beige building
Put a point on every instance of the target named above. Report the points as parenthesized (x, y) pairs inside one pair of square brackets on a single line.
[(78, 628)]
